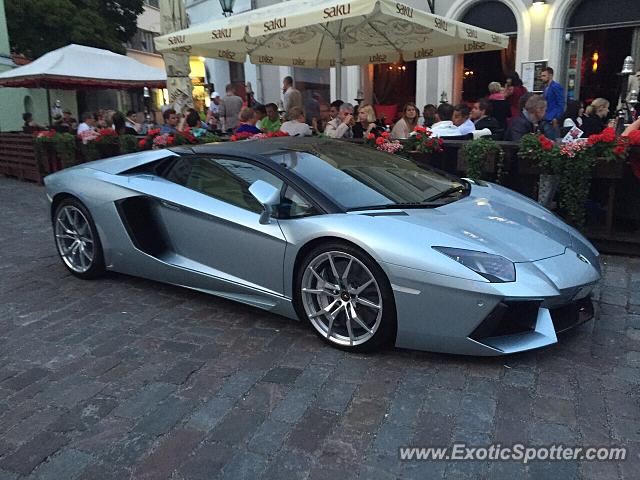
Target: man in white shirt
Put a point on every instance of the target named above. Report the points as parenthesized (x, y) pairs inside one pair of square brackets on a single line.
[(340, 127), (213, 113), (461, 119), (292, 97), (296, 127), (88, 122), (444, 127)]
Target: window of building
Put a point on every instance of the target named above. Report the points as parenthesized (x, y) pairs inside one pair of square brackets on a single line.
[(143, 41), (152, 3)]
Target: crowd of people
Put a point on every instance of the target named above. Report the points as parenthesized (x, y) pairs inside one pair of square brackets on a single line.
[(508, 112)]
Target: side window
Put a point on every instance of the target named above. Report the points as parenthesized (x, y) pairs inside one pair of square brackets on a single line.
[(229, 180), (293, 205)]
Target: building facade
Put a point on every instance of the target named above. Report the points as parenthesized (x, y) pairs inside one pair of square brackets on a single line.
[(584, 41)]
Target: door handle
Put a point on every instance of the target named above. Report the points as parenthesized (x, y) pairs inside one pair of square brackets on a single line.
[(170, 206)]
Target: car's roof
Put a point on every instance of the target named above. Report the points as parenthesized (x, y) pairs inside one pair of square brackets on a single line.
[(262, 146)]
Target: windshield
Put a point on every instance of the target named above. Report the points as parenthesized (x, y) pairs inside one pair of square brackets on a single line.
[(358, 177)]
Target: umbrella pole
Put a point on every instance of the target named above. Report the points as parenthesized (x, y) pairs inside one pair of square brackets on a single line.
[(339, 72), (49, 106)]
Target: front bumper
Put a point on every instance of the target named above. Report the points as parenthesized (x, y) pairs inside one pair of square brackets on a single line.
[(452, 315)]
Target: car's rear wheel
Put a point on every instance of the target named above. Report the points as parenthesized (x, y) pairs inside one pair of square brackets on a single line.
[(77, 239), (346, 297)]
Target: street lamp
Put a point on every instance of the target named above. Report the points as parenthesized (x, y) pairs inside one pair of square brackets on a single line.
[(227, 7)]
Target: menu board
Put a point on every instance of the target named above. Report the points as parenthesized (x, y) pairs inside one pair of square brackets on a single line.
[(531, 75)]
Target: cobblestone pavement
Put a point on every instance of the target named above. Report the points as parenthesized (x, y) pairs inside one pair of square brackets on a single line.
[(125, 378)]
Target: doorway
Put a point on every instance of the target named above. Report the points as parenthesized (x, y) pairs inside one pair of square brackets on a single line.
[(480, 69), (595, 59), (394, 83)]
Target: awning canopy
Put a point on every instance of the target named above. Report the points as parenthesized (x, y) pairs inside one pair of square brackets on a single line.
[(76, 66), (325, 33)]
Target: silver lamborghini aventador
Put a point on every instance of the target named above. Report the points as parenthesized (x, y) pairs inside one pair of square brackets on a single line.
[(366, 246)]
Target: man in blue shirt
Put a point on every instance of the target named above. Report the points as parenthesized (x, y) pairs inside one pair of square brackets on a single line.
[(554, 95)]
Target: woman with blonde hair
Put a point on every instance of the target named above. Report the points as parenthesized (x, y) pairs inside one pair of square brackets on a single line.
[(408, 122), (595, 119), (366, 122), (496, 92)]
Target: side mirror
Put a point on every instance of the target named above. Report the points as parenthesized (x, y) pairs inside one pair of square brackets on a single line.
[(267, 195)]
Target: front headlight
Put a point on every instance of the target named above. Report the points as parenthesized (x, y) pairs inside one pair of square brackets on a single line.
[(494, 268)]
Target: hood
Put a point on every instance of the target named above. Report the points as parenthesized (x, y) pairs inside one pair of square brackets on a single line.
[(494, 220)]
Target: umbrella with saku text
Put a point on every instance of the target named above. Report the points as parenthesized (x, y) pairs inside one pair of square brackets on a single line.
[(323, 34)]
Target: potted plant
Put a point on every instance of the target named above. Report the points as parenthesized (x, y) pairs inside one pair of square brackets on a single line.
[(545, 155), (609, 153), (482, 155), (383, 143), (575, 170)]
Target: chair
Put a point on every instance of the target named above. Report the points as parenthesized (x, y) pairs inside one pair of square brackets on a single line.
[(388, 112)]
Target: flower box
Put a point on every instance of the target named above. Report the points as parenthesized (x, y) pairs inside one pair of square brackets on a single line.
[(527, 167), (489, 165), (608, 169)]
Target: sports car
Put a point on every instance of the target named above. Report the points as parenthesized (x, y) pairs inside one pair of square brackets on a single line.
[(368, 247)]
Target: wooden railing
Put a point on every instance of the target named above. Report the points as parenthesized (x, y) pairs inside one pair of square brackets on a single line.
[(18, 157)]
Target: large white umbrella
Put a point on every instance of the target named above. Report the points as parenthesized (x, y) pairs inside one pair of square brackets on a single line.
[(323, 34)]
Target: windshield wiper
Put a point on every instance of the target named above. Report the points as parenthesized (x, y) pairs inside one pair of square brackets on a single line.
[(446, 193), (396, 206)]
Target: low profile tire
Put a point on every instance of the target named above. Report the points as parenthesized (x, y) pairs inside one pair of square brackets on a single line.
[(346, 297), (77, 239)]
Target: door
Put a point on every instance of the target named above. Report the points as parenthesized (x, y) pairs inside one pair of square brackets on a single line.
[(212, 221)]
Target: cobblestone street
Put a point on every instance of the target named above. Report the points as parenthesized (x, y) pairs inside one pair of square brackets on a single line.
[(125, 378)]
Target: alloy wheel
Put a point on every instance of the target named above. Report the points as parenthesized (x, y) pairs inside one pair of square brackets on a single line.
[(342, 298), (74, 239)]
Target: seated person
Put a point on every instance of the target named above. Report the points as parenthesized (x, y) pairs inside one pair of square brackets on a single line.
[(295, 126), (270, 123), (261, 112), (341, 126), (170, 122), (193, 122), (461, 119), (429, 115), (531, 120), (444, 126), (248, 120), (481, 116), (405, 126), (366, 123)]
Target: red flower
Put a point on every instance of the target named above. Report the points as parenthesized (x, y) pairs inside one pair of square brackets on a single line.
[(142, 143), (380, 141), (634, 137), (545, 143), (384, 134), (170, 139), (420, 129), (419, 136), (234, 138), (619, 150), (371, 136), (440, 141), (153, 132), (430, 143), (608, 135)]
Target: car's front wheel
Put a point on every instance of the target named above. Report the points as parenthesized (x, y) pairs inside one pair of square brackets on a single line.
[(346, 297), (77, 239)]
